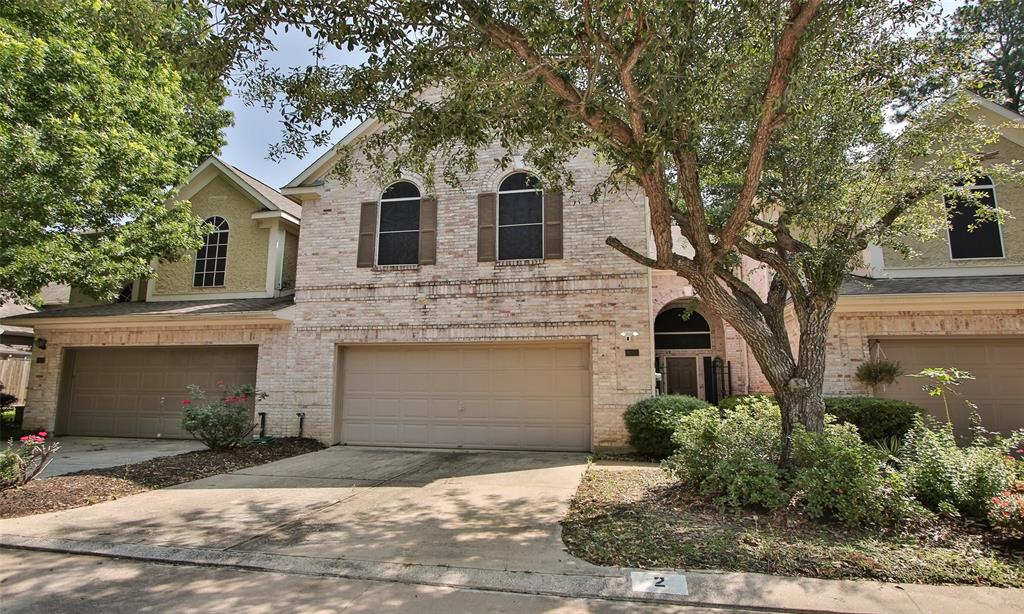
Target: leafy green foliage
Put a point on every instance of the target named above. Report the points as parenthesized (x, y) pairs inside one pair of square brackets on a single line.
[(998, 23), (652, 421), (1006, 512), (733, 459), (953, 479), (876, 419), (878, 371), (102, 110), (222, 423), (762, 402)]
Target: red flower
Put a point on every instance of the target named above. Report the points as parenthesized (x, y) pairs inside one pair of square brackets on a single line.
[(186, 402)]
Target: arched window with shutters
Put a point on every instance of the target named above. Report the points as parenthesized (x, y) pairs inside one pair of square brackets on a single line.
[(398, 225), (212, 257), (520, 218), (681, 329)]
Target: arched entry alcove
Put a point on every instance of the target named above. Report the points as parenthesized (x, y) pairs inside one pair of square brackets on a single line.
[(686, 344)]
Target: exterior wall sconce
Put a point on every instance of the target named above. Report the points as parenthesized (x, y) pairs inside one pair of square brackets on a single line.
[(41, 343), (629, 334)]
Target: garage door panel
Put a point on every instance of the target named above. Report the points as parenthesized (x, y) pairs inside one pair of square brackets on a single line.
[(137, 392), (997, 365), (515, 396)]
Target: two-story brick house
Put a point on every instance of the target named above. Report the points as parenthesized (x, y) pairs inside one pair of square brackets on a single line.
[(491, 315)]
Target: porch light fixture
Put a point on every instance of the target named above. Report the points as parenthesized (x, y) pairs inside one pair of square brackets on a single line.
[(41, 343), (629, 334)]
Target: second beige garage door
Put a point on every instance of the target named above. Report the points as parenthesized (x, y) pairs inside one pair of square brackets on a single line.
[(520, 397), (137, 392), (997, 365)]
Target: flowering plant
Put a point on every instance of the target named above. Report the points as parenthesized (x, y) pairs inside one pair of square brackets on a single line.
[(22, 462), (224, 422), (1006, 512)]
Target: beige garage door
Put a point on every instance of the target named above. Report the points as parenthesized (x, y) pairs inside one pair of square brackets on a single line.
[(520, 397), (998, 365), (137, 392)]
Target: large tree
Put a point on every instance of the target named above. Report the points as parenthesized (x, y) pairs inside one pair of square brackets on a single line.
[(104, 106), (1000, 26), (760, 128)]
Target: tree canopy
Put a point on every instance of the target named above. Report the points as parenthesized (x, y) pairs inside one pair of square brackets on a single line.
[(765, 129), (104, 106), (999, 24)]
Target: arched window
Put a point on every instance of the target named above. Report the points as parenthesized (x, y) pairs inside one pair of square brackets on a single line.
[(398, 228), (681, 329), (969, 235), (520, 218), (212, 257)]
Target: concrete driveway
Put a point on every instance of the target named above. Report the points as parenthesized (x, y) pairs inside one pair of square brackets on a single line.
[(483, 510), (84, 453)]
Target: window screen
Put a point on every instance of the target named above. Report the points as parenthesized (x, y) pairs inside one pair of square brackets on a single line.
[(398, 234), (520, 218), (212, 257), (970, 237)]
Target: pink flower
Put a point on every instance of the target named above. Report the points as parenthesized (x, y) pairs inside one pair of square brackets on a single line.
[(42, 433), (220, 382), (186, 402)]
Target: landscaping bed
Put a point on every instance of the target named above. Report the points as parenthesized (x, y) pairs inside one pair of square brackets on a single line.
[(98, 485), (636, 517)]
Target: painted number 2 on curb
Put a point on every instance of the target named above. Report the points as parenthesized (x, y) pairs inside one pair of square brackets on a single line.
[(657, 582)]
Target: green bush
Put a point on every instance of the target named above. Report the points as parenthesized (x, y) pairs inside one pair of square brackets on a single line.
[(734, 458), (223, 423), (953, 479), (840, 476), (875, 419), (745, 401), (652, 421)]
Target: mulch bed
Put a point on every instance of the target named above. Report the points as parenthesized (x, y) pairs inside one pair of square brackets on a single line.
[(638, 518), (98, 485)]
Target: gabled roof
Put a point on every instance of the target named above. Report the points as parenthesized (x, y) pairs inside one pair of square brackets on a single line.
[(324, 163), (1010, 124), (268, 197)]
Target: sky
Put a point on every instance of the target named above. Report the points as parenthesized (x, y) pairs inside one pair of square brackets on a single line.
[(256, 129)]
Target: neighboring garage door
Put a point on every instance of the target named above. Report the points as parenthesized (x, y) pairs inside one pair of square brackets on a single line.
[(520, 397), (137, 392), (998, 365)]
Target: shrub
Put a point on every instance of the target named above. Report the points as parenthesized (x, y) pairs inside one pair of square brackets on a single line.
[(223, 423), (20, 463), (6, 400), (951, 479), (732, 458), (652, 421), (875, 419), (838, 475), (1006, 512), (746, 401)]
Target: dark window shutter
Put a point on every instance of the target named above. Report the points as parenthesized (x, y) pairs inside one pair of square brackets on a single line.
[(428, 231), (367, 234), (486, 232), (553, 225)]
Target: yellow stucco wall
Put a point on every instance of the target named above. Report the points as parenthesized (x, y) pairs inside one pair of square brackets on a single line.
[(247, 245), (934, 254), (291, 259)]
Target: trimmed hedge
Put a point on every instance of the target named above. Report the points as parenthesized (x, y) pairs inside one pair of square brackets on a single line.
[(875, 419), (652, 421)]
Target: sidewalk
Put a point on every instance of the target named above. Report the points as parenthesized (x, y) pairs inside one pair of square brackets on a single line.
[(730, 591)]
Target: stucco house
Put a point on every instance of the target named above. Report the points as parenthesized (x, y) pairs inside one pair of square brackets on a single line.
[(491, 315)]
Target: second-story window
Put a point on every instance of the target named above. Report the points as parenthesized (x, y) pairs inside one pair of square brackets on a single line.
[(520, 218), (212, 257), (971, 236), (398, 229)]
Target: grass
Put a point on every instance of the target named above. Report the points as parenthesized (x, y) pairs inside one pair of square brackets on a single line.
[(635, 518)]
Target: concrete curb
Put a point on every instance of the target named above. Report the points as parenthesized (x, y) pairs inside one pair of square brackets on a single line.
[(751, 592)]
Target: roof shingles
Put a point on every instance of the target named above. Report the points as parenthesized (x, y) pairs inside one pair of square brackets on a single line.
[(859, 286)]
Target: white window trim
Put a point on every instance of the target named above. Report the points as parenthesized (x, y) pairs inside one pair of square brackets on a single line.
[(999, 226), (380, 208), (227, 249), (498, 225)]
